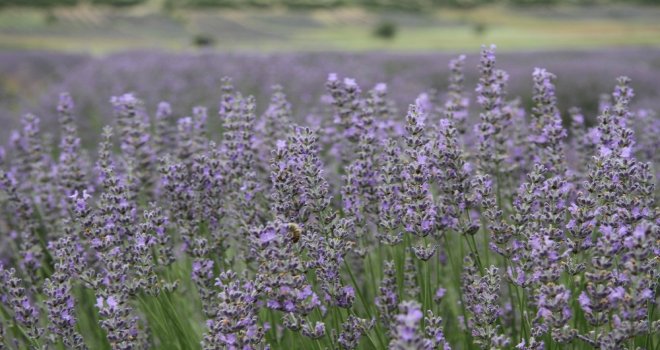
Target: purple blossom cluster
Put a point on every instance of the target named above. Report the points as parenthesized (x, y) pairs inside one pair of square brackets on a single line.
[(363, 228)]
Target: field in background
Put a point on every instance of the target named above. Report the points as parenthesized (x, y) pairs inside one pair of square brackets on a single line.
[(100, 30), (32, 81)]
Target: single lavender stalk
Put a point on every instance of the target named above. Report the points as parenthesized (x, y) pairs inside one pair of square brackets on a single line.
[(647, 132), (143, 268), (604, 102), (426, 107), (29, 159), (411, 284), (164, 130), (482, 300), (553, 304), (457, 102), (200, 117), (546, 240), (286, 194), (359, 193), (227, 101), (117, 320), (454, 181), (352, 331), (135, 143), (384, 110), (202, 276), (517, 164), (407, 334), (36, 171), (81, 230), (388, 299), (314, 186), (235, 324), (501, 232), (26, 312), (547, 130), (419, 215), (594, 299), (328, 255), (185, 145), (346, 102), (239, 168), (177, 186), (273, 124), (112, 228), (581, 224), (351, 193), (156, 223), (116, 207), (434, 332), (70, 167), (390, 194), (490, 96), (23, 221), (61, 303), (581, 152), (524, 225)]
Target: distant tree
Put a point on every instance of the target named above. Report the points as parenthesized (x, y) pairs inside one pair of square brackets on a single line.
[(385, 30), (203, 40), (316, 3), (38, 3), (119, 3), (216, 3), (538, 2), (260, 3)]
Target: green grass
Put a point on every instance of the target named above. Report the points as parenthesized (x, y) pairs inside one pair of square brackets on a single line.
[(102, 30)]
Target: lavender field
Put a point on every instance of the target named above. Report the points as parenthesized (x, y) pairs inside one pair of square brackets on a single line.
[(32, 81), (330, 200)]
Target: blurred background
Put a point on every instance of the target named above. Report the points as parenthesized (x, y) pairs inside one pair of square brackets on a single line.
[(178, 50)]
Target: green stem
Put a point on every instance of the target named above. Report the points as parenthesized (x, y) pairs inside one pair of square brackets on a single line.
[(457, 275), (358, 289)]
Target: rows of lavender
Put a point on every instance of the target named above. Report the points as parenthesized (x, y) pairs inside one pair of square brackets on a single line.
[(470, 223), (32, 82)]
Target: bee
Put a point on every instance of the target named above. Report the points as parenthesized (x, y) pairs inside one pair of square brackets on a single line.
[(295, 231)]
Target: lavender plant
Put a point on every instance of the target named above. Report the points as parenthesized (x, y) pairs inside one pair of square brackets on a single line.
[(444, 228)]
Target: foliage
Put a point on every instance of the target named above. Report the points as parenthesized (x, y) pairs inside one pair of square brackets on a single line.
[(385, 30), (38, 3), (410, 5), (118, 3), (202, 40)]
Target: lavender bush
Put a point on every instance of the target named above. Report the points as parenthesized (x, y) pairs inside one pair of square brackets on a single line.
[(471, 221)]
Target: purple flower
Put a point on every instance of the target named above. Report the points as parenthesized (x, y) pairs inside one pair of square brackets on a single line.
[(616, 294), (267, 236)]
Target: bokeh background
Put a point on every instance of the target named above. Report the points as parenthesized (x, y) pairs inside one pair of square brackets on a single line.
[(178, 50)]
